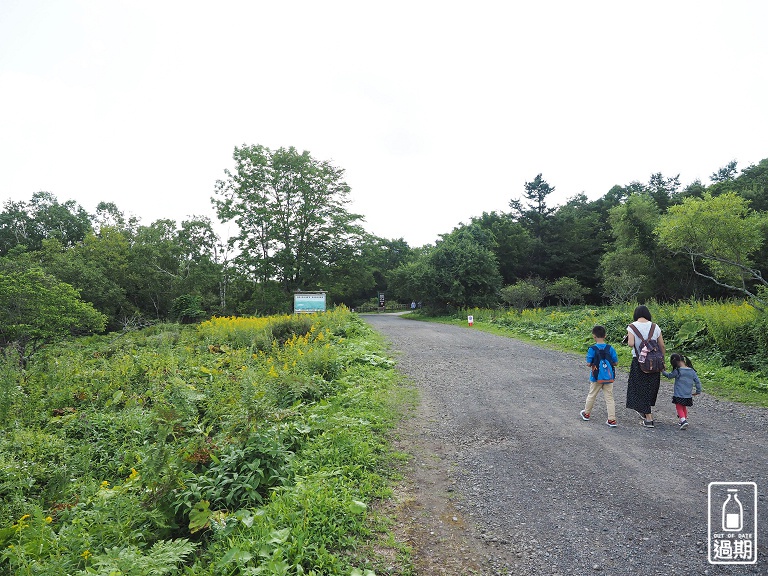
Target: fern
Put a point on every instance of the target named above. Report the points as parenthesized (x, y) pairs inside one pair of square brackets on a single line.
[(163, 558)]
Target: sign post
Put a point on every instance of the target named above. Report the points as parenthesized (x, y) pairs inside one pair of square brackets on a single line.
[(308, 302)]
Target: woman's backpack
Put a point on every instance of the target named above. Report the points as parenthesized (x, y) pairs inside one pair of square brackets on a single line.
[(649, 354), (601, 365)]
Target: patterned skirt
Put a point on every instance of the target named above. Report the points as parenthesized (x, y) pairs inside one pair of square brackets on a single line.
[(642, 389), (682, 401)]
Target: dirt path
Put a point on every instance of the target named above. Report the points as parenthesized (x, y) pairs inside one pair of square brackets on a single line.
[(507, 479)]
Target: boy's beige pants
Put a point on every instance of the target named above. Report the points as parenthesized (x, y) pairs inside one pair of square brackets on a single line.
[(610, 405)]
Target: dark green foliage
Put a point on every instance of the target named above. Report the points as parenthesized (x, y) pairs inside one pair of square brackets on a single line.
[(188, 308), (36, 309), (239, 476)]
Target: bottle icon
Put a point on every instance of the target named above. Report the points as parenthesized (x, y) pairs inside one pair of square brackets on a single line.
[(733, 512)]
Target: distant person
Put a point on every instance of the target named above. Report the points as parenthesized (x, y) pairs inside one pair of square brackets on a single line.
[(643, 387), (413, 305), (685, 378), (602, 358)]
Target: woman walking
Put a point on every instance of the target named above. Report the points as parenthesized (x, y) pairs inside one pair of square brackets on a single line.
[(642, 387)]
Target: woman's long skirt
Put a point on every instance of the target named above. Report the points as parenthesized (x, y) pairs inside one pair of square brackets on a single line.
[(642, 388)]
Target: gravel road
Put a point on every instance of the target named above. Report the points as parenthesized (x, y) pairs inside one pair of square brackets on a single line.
[(543, 492)]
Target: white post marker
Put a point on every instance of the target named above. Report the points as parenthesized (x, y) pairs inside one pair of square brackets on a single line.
[(470, 320)]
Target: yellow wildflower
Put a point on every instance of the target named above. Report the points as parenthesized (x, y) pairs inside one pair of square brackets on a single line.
[(48, 519), (105, 484), (133, 474), (86, 554), (24, 517)]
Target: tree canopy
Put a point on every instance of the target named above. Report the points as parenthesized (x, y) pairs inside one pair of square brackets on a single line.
[(36, 309), (655, 239), (290, 209)]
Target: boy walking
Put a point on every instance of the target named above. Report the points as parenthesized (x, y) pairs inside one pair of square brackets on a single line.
[(602, 358)]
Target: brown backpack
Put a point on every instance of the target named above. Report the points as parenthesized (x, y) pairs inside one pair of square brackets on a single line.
[(649, 354)]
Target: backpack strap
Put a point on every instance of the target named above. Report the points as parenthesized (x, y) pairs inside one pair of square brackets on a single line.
[(639, 344), (636, 331), (594, 358), (607, 351)]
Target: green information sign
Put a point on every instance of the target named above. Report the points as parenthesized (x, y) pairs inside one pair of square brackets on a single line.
[(304, 302)]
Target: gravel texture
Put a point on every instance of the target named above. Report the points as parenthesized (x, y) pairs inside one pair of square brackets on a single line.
[(507, 479)]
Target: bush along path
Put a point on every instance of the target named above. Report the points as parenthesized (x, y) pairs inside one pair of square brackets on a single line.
[(506, 477), (240, 446)]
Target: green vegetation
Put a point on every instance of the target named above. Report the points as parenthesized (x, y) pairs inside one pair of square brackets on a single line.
[(238, 446), (727, 341), (291, 229)]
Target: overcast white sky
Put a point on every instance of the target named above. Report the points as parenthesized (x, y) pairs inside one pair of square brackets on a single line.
[(437, 111)]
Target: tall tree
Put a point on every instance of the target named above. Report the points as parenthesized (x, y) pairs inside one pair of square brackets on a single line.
[(719, 235), (633, 244), (535, 216), (578, 239), (511, 244), (724, 174), (535, 212), (663, 190), (291, 213)]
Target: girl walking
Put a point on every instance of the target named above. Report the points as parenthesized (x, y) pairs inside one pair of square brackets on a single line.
[(685, 378)]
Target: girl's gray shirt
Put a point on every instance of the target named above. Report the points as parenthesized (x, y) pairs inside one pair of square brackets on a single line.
[(685, 378)]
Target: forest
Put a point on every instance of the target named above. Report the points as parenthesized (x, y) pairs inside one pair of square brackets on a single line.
[(65, 270)]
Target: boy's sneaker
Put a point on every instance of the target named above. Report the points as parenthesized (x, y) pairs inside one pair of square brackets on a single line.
[(584, 415), (647, 423), (683, 424), (611, 423)]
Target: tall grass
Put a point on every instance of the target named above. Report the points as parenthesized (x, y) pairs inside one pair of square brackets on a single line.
[(240, 446)]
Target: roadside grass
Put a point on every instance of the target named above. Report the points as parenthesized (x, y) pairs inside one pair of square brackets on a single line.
[(242, 446), (723, 339)]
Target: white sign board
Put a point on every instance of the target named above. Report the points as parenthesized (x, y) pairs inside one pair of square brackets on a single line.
[(306, 302)]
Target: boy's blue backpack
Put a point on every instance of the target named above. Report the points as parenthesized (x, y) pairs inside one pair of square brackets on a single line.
[(602, 368)]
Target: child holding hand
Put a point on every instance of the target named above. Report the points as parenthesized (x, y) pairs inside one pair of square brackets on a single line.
[(685, 379)]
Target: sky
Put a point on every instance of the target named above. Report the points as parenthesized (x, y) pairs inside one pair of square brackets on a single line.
[(437, 111)]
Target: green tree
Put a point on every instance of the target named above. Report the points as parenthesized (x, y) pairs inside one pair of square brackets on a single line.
[(36, 309), (636, 250), (43, 217), (623, 287), (578, 238), (568, 290), (722, 233), (154, 269), (751, 183), (521, 294), (204, 265), (535, 216), (458, 272), (633, 245), (510, 242), (663, 190), (291, 213), (725, 174), (96, 267)]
